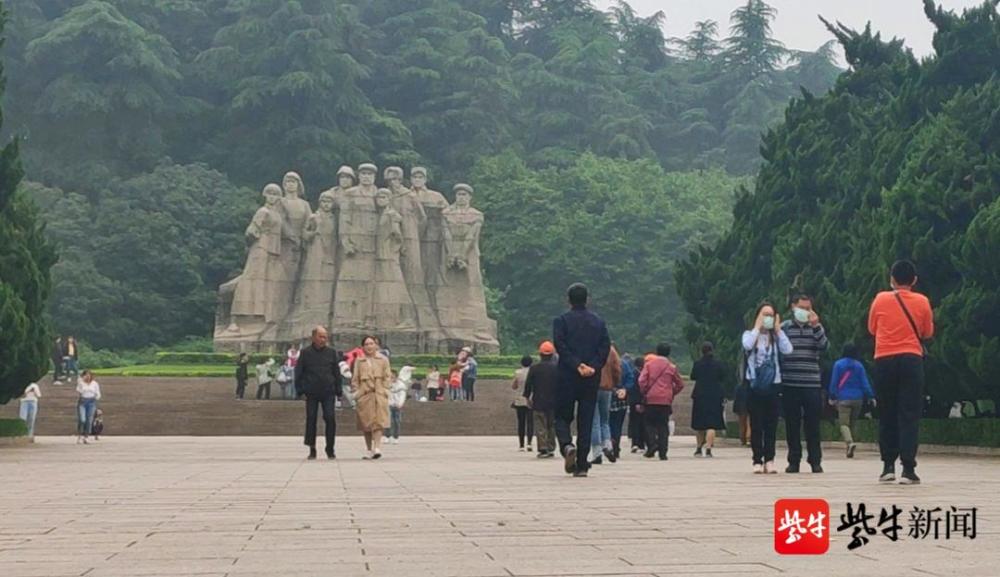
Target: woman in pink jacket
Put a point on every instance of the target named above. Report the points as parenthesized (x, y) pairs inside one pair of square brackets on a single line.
[(659, 382)]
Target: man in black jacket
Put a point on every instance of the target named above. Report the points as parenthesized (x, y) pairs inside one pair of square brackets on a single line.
[(582, 343), (540, 388), (317, 376)]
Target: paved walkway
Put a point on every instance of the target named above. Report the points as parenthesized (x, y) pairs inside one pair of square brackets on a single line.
[(242, 506)]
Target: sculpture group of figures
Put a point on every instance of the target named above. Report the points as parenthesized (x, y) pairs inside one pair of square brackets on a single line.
[(399, 262)]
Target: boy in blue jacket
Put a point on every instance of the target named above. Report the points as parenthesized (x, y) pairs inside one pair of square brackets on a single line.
[(848, 390)]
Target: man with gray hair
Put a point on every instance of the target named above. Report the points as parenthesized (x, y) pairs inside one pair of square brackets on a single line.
[(317, 376)]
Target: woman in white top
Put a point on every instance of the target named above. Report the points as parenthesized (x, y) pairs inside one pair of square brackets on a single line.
[(90, 392), (434, 385), (762, 345), (397, 398), (29, 407), (525, 422)]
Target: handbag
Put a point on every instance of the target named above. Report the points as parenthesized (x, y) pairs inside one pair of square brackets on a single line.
[(913, 325), (763, 379)]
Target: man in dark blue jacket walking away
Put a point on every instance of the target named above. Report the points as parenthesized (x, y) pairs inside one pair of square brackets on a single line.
[(582, 343)]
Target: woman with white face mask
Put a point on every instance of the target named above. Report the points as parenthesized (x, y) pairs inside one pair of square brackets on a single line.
[(763, 345)]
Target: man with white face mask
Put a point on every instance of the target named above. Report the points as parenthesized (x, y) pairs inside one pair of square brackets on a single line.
[(801, 391)]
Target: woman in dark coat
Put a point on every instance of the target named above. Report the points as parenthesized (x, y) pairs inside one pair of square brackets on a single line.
[(709, 398)]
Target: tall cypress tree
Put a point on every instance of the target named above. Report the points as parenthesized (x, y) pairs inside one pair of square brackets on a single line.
[(25, 260)]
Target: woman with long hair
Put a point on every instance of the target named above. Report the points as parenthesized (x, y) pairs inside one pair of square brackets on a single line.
[(763, 345)]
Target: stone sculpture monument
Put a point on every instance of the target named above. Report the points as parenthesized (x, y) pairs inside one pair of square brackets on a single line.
[(398, 262)]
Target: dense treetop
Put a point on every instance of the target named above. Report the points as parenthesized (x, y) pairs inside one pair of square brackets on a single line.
[(900, 160), (154, 123)]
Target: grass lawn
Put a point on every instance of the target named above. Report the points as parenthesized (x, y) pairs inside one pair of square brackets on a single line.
[(158, 370)]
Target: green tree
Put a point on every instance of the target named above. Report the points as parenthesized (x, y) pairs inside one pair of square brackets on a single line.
[(25, 259), (751, 50), (702, 43)]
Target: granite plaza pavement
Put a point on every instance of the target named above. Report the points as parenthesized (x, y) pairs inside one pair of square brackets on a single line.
[(449, 506)]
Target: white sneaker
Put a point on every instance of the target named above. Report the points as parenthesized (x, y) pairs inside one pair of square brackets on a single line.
[(79, 439), (395, 440), (770, 469), (520, 449), (366, 455), (758, 468)]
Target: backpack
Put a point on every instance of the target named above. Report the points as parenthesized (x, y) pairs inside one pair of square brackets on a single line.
[(763, 379)]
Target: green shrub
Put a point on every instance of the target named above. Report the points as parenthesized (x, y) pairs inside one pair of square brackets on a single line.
[(229, 371), (13, 428), (959, 432), (416, 361)]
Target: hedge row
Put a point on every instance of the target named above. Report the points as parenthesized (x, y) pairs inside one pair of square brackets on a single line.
[(13, 428), (172, 358), (960, 432)]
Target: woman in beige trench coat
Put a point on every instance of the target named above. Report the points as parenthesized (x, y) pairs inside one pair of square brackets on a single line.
[(370, 382)]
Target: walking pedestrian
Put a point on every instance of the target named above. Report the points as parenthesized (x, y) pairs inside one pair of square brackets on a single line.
[(434, 384), (849, 390), (541, 386), (708, 399), (659, 382), (525, 423), (582, 343), (89, 392), (370, 382), (57, 360), (802, 384), (317, 376), (71, 357), (619, 405), (763, 345), (600, 432), (397, 399), (242, 374), (28, 409), (901, 320), (264, 376), (288, 369), (636, 427)]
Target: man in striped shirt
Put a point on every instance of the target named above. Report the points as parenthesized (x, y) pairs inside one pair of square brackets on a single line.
[(801, 383)]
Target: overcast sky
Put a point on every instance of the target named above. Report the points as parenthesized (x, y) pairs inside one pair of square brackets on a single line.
[(797, 25)]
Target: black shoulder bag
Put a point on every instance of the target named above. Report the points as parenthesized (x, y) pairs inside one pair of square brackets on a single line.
[(913, 325)]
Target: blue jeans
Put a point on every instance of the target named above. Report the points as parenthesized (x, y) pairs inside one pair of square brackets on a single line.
[(85, 415), (600, 432), (29, 410), (395, 419)]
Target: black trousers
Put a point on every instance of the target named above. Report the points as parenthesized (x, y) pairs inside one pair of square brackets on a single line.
[(261, 388), (657, 419), (636, 428), (241, 387), (802, 406), (525, 425), (470, 388), (763, 426), (578, 396), (899, 386), (312, 408)]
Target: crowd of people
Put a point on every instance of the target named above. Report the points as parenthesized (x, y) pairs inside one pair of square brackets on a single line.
[(581, 376)]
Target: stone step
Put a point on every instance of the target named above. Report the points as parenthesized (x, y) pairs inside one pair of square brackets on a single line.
[(207, 407)]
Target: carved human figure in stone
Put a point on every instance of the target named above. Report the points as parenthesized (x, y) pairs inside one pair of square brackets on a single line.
[(462, 297), (345, 181), (392, 308), (357, 222), (314, 298), (297, 212), (254, 299), (431, 233), (406, 203)]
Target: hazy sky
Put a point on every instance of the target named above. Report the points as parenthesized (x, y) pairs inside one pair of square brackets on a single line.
[(797, 25)]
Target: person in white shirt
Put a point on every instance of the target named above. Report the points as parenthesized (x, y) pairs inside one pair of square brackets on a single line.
[(434, 385), (90, 392), (397, 398), (29, 407)]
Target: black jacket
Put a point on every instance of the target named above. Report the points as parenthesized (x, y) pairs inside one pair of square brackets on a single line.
[(317, 373), (580, 336), (541, 383), (243, 370)]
